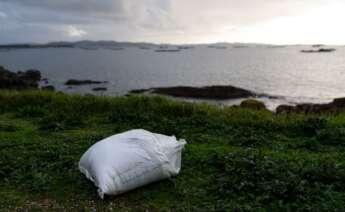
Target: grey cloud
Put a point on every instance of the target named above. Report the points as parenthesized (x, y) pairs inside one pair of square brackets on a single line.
[(90, 6), (63, 11), (152, 20)]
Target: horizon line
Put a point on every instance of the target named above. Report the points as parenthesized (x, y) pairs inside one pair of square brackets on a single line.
[(162, 43)]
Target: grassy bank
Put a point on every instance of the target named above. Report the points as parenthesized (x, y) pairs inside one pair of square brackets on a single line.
[(235, 158)]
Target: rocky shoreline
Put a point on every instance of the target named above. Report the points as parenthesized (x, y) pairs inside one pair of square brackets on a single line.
[(19, 81), (336, 106), (30, 79), (231, 92)]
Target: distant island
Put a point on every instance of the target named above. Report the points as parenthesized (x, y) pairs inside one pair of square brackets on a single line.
[(78, 44), (322, 50), (160, 48), (27, 46)]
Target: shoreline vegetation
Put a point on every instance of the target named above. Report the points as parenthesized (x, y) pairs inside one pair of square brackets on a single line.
[(236, 158)]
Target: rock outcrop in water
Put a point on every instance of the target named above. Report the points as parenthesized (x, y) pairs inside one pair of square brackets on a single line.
[(100, 89), (83, 82), (322, 50), (21, 80), (336, 106), (208, 92)]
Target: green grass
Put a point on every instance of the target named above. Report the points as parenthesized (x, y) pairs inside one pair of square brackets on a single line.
[(236, 159)]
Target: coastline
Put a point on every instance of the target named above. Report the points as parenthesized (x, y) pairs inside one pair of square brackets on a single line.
[(220, 95)]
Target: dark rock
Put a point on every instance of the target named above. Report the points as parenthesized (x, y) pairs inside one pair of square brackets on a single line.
[(83, 82), (139, 91), (209, 92), (336, 106), (253, 104), (100, 89), (32, 75), (48, 88), (316, 108), (21, 80), (306, 108), (339, 102), (326, 50)]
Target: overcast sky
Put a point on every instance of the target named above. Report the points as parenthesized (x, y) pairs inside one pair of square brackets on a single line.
[(174, 21)]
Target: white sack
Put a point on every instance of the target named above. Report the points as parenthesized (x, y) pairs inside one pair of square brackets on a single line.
[(128, 160)]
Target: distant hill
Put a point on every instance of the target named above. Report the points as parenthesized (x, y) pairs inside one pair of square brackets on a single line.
[(109, 44), (77, 44)]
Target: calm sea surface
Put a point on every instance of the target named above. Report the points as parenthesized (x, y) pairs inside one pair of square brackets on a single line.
[(295, 77)]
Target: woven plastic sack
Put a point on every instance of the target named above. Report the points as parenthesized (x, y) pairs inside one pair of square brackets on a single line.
[(132, 159)]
